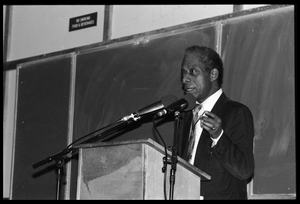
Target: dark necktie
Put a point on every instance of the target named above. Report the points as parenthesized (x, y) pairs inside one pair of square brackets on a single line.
[(192, 132)]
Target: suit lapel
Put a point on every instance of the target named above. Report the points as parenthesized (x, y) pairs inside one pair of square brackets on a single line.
[(219, 104)]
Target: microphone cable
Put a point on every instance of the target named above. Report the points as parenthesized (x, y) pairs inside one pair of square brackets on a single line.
[(165, 159)]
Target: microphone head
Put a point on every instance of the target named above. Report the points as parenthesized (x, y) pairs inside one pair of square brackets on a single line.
[(168, 100), (157, 106), (191, 101)]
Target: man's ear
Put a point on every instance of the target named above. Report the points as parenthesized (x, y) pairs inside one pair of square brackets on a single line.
[(214, 74)]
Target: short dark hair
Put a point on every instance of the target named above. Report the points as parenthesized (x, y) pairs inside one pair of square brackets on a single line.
[(210, 58)]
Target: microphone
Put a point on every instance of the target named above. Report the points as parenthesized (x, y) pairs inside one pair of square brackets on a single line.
[(187, 103), (152, 108)]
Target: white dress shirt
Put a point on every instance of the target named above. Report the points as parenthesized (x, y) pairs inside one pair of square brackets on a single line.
[(207, 105)]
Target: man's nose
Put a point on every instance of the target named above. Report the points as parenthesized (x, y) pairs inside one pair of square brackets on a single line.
[(186, 79)]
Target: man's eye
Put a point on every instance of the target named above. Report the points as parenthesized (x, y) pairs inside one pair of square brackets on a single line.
[(191, 71), (194, 71)]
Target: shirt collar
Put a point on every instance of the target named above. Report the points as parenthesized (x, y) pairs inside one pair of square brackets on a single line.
[(209, 103)]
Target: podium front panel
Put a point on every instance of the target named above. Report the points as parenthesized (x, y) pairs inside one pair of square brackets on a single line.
[(130, 171)]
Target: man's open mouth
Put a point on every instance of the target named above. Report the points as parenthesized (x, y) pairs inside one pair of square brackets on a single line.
[(189, 89)]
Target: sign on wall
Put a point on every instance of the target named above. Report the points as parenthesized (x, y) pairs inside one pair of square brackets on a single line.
[(81, 22)]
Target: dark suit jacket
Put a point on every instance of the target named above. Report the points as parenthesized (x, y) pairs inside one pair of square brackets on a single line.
[(230, 163)]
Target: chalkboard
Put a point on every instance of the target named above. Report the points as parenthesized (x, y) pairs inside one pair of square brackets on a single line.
[(258, 52), (41, 126)]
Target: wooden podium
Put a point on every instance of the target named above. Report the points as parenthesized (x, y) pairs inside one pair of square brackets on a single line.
[(132, 170)]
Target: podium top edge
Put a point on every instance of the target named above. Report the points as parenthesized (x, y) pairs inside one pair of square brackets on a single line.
[(101, 144), (152, 143)]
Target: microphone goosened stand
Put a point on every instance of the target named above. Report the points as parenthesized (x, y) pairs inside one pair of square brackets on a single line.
[(191, 102), (187, 103), (174, 155)]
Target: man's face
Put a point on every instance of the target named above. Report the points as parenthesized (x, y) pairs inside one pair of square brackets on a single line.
[(195, 79)]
